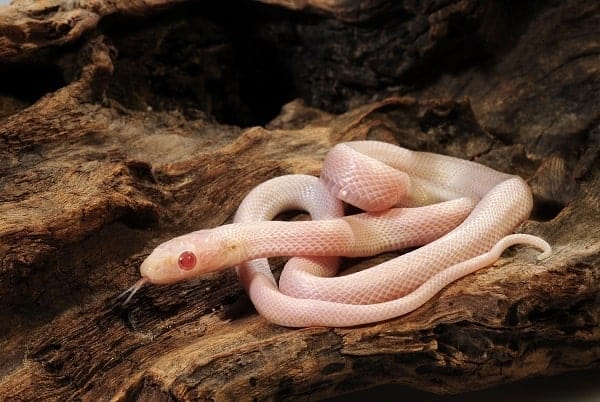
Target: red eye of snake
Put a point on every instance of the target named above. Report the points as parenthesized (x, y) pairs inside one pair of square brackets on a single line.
[(187, 260)]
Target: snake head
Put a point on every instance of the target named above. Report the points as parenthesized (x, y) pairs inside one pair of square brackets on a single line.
[(183, 258)]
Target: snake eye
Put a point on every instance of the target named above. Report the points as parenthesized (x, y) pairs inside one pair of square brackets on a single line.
[(187, 260)]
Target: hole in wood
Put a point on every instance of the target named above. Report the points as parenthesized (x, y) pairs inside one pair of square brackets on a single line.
[(200, 57), (25, 83)]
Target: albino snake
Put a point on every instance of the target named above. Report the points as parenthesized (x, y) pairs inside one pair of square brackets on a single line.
[(461, 214)]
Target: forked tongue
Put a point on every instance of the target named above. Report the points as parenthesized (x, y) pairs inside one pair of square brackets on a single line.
[(132, 290)]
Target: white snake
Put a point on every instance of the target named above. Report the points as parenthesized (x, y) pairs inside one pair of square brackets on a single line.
[(462, 213)]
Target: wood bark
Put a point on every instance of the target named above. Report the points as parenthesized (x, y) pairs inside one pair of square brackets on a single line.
[(123, 124)]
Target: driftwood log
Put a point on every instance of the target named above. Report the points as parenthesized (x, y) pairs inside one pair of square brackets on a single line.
[(123, 124)]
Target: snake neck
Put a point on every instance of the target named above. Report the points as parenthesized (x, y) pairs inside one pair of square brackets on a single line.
[(248, 241)]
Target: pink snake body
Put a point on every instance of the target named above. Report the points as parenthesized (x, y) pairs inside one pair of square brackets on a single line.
[(461, 213)]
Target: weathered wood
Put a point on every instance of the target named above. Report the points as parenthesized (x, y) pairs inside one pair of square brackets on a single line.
[(126, 144)]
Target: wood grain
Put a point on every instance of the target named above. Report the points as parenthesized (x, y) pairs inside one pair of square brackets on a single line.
[(139, 132)]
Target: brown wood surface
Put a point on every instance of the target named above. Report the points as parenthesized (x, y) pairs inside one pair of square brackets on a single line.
[(123, 124)]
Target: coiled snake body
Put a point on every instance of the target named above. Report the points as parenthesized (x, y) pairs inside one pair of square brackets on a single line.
[(461, 213)]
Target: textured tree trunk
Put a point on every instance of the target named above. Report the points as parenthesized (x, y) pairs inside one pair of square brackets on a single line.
[(123, 124)]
